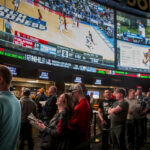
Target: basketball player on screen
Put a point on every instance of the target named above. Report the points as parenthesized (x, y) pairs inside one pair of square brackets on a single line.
[(91, 37), (60, 24), (73, 21), (89, 43), (77, 20), (65, 24), (16, 4), (40, 15)]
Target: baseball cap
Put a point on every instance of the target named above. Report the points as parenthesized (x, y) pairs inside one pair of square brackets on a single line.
[(41, 90), (75, 88), (138, 87)]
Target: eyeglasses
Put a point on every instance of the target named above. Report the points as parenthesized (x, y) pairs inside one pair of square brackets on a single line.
[(75, 91)]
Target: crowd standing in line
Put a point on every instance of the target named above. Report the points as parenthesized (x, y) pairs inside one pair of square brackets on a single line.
[(64, 121)]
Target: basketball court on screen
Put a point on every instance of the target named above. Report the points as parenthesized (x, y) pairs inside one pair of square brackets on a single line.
[(74, 37)]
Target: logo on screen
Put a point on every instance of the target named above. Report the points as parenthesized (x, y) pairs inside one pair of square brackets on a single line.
[(19, 18)]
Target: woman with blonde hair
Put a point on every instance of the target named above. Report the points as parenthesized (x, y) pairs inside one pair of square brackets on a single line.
[(55, 135)]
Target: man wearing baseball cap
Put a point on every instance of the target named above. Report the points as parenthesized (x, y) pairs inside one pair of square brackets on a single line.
[(80, 122), (41, 97), (27, 106)]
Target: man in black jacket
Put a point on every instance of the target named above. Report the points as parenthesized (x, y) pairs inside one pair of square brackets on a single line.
[(50, 108), (41, 98), (103, 115)]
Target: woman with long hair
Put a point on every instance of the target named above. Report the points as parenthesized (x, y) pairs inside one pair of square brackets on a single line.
[(55, 135)]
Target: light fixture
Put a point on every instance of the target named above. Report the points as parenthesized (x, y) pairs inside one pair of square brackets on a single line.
[(33, 81)]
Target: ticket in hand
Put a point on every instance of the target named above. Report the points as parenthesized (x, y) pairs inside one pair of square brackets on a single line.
[(31, 117)]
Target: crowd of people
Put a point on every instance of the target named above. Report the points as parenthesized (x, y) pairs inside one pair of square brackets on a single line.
[(88, 12), (64, 120), (82, 9), (124, 118)]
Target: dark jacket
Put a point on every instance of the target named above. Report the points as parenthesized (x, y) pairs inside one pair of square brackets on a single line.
[(50, 108), (41, 97), (27, 106), (55, 136)]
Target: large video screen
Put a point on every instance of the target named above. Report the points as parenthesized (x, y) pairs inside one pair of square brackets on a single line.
[(81, 30), (133, 42)]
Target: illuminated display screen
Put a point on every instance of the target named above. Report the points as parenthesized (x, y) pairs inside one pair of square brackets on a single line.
[(133, 44), (13, 70), (52, 62), (44, 60), (96, 94), (83, 33), (97, 81), (77, 79), (44, 75)]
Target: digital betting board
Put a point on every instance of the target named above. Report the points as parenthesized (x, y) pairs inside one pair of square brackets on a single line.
[(133, 43), (47, 61), (73, 30), (52, 62)]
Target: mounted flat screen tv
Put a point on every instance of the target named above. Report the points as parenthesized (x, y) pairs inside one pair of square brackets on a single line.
[(45, 75), (133, 43), (76, 30)]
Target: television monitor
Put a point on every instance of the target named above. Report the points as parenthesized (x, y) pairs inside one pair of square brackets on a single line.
[(45, 75), (78, 78), (14, 70), (97, 81), (79, 30), (96, 94), (133, 43)]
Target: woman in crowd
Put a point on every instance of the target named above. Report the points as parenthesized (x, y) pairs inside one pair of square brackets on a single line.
[(55, 136)]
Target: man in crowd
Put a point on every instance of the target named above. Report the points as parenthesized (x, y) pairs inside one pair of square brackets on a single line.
[(27, 106), (16, 4), (145, 109), (10, 112), (133, 121), (138, 94), (118, 115), (50, 107), (143, 102), (148, 113), (40, 99), (80, 121), (104, 105)]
